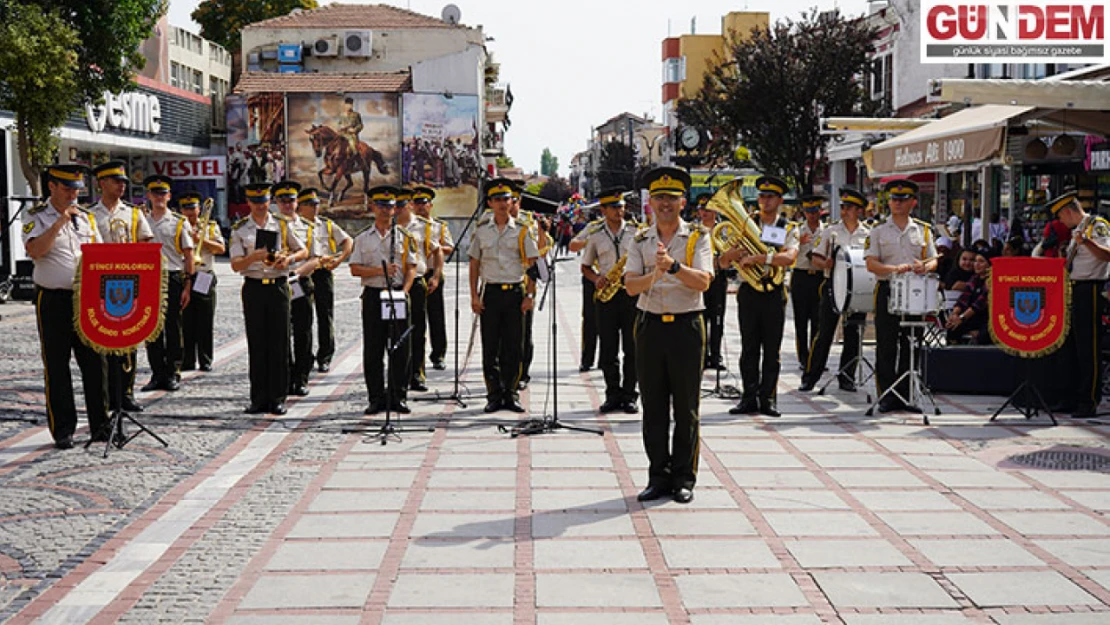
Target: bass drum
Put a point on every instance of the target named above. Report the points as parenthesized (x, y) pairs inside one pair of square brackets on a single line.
[(853, 286)]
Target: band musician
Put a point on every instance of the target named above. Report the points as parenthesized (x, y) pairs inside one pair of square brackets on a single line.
[(199, 316)]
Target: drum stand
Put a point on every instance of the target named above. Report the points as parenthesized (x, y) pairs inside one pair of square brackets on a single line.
[(856, 364), (917, 385)]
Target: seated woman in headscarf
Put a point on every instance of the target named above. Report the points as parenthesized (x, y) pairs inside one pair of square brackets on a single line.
[(967, 323)]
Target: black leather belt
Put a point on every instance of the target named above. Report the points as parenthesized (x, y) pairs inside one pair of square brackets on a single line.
[(671, 317), (504, 286)]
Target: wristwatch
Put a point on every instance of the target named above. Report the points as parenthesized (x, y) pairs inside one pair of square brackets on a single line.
[(675, 266)]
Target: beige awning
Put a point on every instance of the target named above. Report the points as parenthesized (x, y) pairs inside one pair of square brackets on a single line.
[(1087, 95), (962, 141)]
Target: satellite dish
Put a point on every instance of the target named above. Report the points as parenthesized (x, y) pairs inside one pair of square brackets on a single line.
[(451, 14)]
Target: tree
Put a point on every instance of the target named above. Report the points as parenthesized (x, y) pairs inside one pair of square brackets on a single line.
[(769, 92), (59, 54), (505, 162), (549, 163), (222, 21), (556, 189), (617, 166)]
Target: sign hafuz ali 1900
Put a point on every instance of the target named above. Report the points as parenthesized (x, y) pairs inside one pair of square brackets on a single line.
[(1001, 31)]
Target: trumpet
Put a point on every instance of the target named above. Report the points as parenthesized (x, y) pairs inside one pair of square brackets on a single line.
[(274, 258), (202, 237), (740, 231), (615, 278)]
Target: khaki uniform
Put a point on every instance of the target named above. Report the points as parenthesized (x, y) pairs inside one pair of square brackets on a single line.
[(265, 297), (670, 354), (616, 318), (894, 246), (437, 321), (199, 316), (300, 311), (372, 247), (420, 229), (589, 311), (166, 351), (805, 292), (503, 255), (832, 237), (54, 276), (326, 239), (1088, 275)]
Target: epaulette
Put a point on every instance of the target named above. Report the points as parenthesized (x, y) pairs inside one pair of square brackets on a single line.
[(599, 220), (594, 227), (239, 224), (702, 229), (484, 220), (641, 235), (408, 235), (37, 208), (423, 219), (835, 222), (1100, 227), (922, 223), (83, 209)]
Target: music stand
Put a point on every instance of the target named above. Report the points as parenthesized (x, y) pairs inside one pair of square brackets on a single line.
[(917, 385), (723, 392), (1026, 391), (116, 435), (546, 424), (856, 364)]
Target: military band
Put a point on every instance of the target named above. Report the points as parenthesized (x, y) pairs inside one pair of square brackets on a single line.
[(439, 235), (419, 231), (301, 289), (330, 245), (198, 318)]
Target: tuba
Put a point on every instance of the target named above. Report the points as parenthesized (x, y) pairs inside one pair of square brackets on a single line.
[(615, 276), (202, 226), (739, 230)]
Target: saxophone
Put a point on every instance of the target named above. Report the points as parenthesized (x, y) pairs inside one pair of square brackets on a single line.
[(739, 230), (202, 226), (615, 276)]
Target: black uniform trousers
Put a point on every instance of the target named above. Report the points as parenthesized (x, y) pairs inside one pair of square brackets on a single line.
[(323, 297), (589, 324), (716, 298), (762, 317), (822, 343), (805, 295), (380, 334), (437, 325), (502, 339), (616, 320), (300, 317), (892, 343), (121, 370), (197, 326), (266, 314), (669, 359), (165, 351), (418, 298), (1082, 344), (58, 339), (528, 347)]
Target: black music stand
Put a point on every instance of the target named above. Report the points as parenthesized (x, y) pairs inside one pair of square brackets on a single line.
[(116, 435), (1022, 397)]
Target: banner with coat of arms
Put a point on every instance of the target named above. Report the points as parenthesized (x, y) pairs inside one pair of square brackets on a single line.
[(120, 295), (1030, 305)]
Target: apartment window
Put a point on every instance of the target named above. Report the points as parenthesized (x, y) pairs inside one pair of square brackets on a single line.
[(175, 74), (198, 82), (673, 70)]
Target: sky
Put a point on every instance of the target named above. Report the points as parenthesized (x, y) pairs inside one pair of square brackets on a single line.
[(573, 64)]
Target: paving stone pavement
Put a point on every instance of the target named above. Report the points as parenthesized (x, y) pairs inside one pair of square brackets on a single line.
[(822, 516)]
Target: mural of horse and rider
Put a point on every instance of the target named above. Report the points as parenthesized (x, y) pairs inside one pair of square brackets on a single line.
[(440, 149), (344, 144)]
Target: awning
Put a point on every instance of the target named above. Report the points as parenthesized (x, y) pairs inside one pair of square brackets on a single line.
[(962, 141)]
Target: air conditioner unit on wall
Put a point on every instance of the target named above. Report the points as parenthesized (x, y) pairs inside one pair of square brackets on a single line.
[(327, 46), (356, 43)]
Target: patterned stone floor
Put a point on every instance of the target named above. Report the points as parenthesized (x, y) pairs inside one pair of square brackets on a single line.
[(821, 516)]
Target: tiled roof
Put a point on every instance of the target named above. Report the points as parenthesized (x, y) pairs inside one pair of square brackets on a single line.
[(366, 82), (370, 16)]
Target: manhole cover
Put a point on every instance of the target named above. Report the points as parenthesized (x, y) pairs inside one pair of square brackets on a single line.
[(1064, 460)]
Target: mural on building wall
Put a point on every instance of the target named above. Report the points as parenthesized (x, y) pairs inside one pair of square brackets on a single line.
[(344, 144), (255, 144), (440, 149)]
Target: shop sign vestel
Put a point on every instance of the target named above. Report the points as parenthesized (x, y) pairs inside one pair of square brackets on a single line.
[(201, 168), (132, 111), (1002, 31)]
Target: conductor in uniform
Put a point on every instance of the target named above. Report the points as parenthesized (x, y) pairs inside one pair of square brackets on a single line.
[(805, 282), (502, 249), (1089, 256), (670, 265), (848, 233), (899, 245), (606, 244), (198, 318), (763, 313), (383, 258), (330, 245), (111, 211), (53, 233), (262, 248)]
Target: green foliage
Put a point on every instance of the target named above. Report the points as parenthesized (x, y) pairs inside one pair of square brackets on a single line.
[(617, 166), (223, 20), (110, 32), (549, 163), (505, 162), (769, 92), (556, 189)]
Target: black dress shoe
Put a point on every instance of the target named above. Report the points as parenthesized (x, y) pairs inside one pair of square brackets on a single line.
[(652, 492), (300, 390), (767, 407), (583, 368), (610, 405), (64, 443), (206, 368), (400, 407), (683, 495), (807, 386), (492, 405), (170, 385), (101, 435), (254, 409), (630, 407), (849, 387), (438, 365), (187, 367), (278, 408), (418, 386), (130, 405), (152, 385), (746, 406), (324, 367), (374, 408), (512, 405), (889, 404)]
